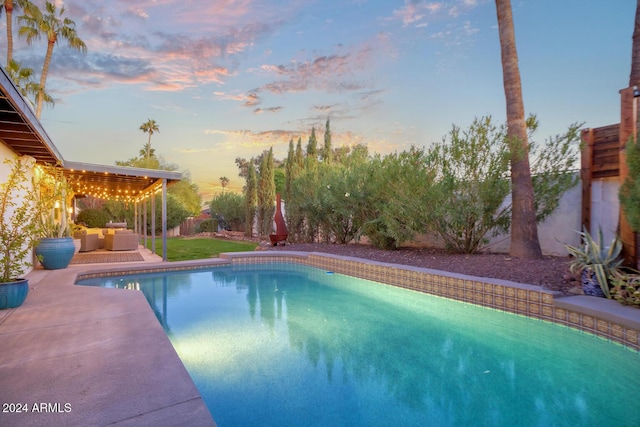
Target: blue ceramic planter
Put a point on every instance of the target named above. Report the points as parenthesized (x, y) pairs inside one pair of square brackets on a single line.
[(55, 253), (13, 294), (591, 285)]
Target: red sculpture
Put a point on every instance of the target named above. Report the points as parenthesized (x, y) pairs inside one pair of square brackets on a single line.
[(281, 228)]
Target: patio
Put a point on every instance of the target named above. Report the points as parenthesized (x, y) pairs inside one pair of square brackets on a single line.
[(79, 356)]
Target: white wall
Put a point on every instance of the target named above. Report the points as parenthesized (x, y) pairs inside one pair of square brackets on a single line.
[(5, 169), (605, 207), (558, 229), (5, 153)]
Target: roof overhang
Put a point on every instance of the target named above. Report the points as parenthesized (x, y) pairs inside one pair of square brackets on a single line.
[(22, 132)]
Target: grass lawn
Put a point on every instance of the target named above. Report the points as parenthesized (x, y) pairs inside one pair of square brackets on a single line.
[(181, 249)]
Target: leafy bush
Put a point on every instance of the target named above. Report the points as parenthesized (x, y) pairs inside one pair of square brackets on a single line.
[(93, 218), (230, 207), (176, 214), (400, 186), (209, 225), (457, 190), (630, 190), (338, 202), (626, 289), (552, 167), (472, 184)]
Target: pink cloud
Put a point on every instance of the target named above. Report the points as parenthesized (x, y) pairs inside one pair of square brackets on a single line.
[(331, 73)]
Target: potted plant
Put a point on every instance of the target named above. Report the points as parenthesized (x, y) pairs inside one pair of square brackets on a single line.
[(55, 248), (595, 263), (18, 231)]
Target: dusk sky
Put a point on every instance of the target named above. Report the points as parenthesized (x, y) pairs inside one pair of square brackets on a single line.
[(231, 78)]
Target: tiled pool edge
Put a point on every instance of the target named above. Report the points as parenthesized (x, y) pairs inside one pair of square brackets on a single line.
[(527, 300), (582, 313)]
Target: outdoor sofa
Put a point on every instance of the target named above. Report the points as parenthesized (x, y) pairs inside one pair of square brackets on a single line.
[(121, 240), (88, 241)]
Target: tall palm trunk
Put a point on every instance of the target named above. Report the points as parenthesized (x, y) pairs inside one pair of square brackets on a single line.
[(43, 78), (524, 230), (8, 6), (634, 78)]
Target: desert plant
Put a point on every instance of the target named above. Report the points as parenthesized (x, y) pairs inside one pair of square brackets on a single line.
[(398, 187), (18, 220), (209, 225), (593, 257), (472, 185), (230, 207), (553, 165), (626, 289), (630, 190), (52, 192)]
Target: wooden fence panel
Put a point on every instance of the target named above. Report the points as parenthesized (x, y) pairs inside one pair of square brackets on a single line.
[(605, 161), (603, 157)]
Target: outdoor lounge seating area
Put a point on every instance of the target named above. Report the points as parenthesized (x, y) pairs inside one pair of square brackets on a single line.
[(109, 238)]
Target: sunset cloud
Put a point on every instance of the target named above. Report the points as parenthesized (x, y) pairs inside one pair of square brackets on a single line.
[(141, 44), (332, 73), (267, 110)]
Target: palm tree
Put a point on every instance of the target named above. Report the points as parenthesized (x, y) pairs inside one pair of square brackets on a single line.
[(524, 230), (53, 26), (22, 77), (10, 6), (150, 126), (224, 181), (146, 152)]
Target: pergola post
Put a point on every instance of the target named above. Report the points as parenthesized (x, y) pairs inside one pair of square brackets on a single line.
[(153, 222), (135, 216), (144, 221), (164, 219)]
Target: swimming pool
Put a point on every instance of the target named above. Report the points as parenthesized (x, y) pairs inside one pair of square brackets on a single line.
[(282, 344)]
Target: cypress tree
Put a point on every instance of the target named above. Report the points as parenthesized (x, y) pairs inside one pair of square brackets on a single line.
[(299, 154), (311, 160), (327, 152), (266, 194), (290, 175), (251, 197)]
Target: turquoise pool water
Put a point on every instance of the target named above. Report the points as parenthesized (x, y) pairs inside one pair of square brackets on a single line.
[(289, 345)]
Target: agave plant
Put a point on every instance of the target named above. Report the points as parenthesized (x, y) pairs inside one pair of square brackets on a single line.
[(594, 257)]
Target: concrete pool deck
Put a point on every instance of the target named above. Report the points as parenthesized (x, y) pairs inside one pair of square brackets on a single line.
[(84, 356), (98, 356)]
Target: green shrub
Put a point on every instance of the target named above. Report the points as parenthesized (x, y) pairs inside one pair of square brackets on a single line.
[(472, 185), (630, 190), (93, 218), (626, 289), (209, 225), (552, 168), (399, 188), (230, 207)]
